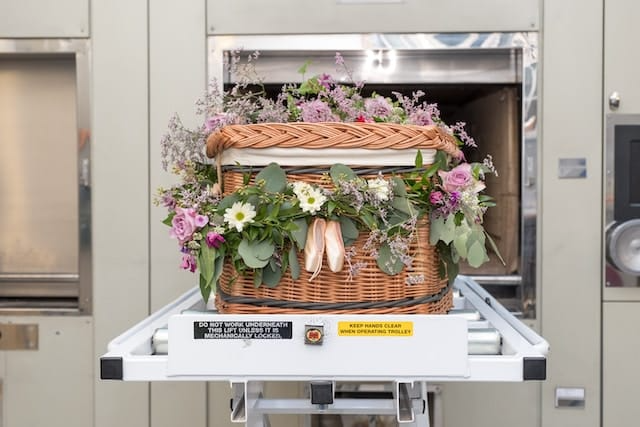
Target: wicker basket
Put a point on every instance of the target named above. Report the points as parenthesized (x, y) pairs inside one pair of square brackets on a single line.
[(371, 290)]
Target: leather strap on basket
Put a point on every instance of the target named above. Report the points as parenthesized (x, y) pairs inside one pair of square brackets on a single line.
[(328, 306)]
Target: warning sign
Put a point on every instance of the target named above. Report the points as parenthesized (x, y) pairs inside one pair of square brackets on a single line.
[(252, 330), (375, 329)]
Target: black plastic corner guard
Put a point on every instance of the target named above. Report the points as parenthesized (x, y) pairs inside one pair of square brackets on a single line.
[(534, 368), (111, 368)]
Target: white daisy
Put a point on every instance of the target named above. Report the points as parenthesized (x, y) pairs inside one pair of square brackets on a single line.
[(239, 214), (311, 200)]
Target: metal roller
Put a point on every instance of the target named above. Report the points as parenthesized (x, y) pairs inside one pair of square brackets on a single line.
[(160, 341), (485, 341), (469, 314)]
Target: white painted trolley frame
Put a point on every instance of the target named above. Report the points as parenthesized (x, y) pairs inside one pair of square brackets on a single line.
[(405, 351)]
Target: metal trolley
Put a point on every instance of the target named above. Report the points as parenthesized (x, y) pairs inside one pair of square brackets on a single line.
[(336, 356)]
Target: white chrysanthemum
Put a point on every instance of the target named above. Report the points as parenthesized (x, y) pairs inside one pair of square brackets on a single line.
[(380, 188), (239, 214), (311, 200), (301, 188)]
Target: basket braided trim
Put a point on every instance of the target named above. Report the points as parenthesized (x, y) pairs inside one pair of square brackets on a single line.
[(372, 136)]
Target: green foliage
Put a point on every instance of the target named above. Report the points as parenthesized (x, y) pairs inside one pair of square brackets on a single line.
[(340, 172), (388, 261), (349, 230), (275, 180), (273, 222), (256, 254)]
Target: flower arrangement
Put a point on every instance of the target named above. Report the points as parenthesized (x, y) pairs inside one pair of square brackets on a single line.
[(262, 226)]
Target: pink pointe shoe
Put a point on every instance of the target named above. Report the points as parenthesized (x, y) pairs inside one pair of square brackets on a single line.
[(314, 247), (334, 246)]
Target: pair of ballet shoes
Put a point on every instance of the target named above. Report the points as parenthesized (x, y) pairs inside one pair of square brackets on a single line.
[(323, 237)]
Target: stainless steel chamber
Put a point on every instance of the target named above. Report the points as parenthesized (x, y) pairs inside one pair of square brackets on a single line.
[(45, 225), (487, 80)]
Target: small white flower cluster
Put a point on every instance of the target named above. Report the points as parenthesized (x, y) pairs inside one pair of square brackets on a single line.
[(380, 188)]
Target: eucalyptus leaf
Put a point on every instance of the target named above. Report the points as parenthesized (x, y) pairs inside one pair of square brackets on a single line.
[(399, 187), (387, 262), (294, 265), (436, 226), (271, 276), (476, 235), (257, 277), (460, 240), (477, 255), (340, 172), (442, 229), (285, 262), (228, 201), (349, 230), (449, 229), (274, 177), (396, 218), (299, 235), (253, 253), (263, 249), (403, 205)]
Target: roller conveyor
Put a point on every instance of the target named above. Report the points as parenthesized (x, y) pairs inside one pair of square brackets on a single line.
[(478, 340)]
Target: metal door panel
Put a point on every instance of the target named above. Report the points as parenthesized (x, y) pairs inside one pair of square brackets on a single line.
[(38, 173)]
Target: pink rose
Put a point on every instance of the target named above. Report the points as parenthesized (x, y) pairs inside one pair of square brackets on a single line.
[(185, 223), (460, 178)]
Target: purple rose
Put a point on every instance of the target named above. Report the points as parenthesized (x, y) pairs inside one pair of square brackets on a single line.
[(185, 223), (189, 262), (436, 198), (458, 178), (214, 240)]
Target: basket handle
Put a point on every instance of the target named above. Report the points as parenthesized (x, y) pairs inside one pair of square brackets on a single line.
[(215, 147)]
